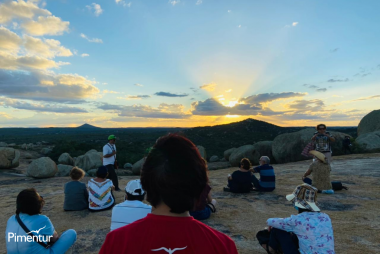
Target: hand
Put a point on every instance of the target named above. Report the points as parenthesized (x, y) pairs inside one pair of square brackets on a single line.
[(113, 152), (269, 228)]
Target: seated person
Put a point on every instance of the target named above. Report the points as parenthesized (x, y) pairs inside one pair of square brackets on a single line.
[(206, 204), (173, 176), (267, 180), (241, 180), (310, 231), (132, 209), (28, 214), (76, 194), (100, 191), (320, 169)]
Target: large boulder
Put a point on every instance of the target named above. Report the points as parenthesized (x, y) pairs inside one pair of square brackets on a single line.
[(91, 151), (92, 172), (28, 156), (228, 153), (136, 168), (288, 147), (66, 159), (369, 142), (247, 151), (263, 148), (89, 161), (3, 144), (43, 167), (214, 158), (369, 123), (9, 158), (63, 170), (202, 151), (44, 151)]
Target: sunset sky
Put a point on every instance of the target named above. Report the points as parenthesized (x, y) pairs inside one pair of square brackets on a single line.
[(186, 63)]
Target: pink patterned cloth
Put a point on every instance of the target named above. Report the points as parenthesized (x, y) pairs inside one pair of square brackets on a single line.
[(313, 229)]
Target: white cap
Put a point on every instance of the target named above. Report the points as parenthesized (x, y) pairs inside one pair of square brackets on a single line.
[(134, 185)]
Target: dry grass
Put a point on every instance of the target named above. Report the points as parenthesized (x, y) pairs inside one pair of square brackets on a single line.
[(355, 213)]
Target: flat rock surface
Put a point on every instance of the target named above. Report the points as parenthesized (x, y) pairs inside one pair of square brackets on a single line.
[(355, 213)]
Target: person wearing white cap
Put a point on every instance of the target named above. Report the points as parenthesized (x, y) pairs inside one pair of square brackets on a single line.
[(132, 209), (310, 231)]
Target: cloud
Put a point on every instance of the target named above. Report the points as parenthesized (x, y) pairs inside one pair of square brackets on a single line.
[(12, 62), (334, 50), (84, 55), (208, 87), (25, 10), (294, 23), (199, 2), (316, 88), (268, 97), (48, 48), (139, 85), (367, 98), (96, 8), (337, 80), (229, 11), (123, 3), (239, 26), (165, 111), (36, 85), (136, 97), (17, 104), (306, 105), (109, 91), (50, 25), (321, 90), (228, 91), (9, 41), (174, 2), (95, 40), (165, 94)]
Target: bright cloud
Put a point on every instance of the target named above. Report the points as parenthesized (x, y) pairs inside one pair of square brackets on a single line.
[(10, 10), (84, 55), (109, 91), (174, 2), (138, 85), (95, 40), (294, 23), (48, 48), (96, 8), (135, 97), (199, 2), (50, 25), (9, 40), (208, 87), (123, 3), (12, 62)]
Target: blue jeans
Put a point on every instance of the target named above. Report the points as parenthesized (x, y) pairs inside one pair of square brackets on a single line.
[(201, 215), (65, 241)]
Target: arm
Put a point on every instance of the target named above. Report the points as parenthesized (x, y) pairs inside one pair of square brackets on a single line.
[(286, 224), (209, 198), (307, 173), (314, 137), (54, 238), (106, 152), (331, 138), (109, 155)]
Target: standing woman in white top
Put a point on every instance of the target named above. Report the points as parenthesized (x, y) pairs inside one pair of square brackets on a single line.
[(100, 189), (109, 159)]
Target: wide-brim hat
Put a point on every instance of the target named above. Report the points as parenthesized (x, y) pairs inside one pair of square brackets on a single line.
[(319, 155), (304, 196)]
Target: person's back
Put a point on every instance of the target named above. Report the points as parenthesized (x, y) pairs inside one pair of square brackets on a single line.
[(76, 196), (36, 222), (321, 175), (156, 232), (267, 177), (241, 181)]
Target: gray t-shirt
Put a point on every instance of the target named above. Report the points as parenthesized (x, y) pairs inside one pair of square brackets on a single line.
[(76, 196)]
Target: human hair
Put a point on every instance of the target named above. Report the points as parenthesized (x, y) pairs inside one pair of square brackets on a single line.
[(245, 163), (266, 159), (29, 202), (135, 197), (103, 174), (301, 210), (174, 173), (321, 124), (76, 173)]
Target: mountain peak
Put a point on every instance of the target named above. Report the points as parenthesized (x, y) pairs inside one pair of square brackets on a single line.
[(87, 126)]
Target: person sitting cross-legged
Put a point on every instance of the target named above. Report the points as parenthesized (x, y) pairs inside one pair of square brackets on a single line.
[(173, 176), (267, 180), (100, 191), (76, 194), (320, 170), (241, 180), (132, 209), (310, 231)]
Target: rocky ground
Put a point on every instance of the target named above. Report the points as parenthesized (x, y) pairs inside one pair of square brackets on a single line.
[(355, 213)]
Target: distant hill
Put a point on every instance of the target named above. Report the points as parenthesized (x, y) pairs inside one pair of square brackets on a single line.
[(87, 126), (217, 139)]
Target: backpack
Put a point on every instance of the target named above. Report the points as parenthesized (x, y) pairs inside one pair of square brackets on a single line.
[(338, 186)]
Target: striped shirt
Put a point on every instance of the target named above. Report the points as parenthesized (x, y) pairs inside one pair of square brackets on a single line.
[(267, 177), (127, 212)]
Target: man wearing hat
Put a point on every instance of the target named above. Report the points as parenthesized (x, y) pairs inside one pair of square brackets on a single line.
[(310, 231), (320, 169), (132, 209), (109, 159), (323, 139)]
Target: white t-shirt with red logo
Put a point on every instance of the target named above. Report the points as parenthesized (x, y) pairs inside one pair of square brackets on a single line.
[(156, 234)]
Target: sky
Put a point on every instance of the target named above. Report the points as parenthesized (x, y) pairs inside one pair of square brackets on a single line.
[(187, 63)]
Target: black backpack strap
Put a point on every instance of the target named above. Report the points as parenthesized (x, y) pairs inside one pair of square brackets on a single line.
[(46, 246), (112, 149)]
